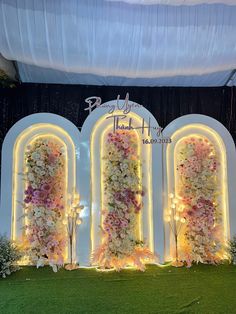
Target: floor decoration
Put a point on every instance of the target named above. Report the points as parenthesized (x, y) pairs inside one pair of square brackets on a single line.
[(175, 221), (10, 254), (232, 249), (71, 221)]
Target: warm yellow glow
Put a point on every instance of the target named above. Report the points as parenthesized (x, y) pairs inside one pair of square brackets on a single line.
[(103, 136), (167, 219), (94, 153), (62, 143), (108, 129), (180, 209), (29, 135), (140, 224), (204, 131), (163, 265)]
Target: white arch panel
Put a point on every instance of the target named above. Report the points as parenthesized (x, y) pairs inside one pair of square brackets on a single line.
[(13, 165), (151, 229), (217, 134)]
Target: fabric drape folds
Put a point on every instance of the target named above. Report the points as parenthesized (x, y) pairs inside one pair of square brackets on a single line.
[(177, 2), (114, 43)]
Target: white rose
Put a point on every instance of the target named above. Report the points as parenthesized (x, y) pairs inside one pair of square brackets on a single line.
[(36, 156), (39, 222), (39, 163), (30, 176), (50, 223), (37, 170), (114, 177), (37, 212)]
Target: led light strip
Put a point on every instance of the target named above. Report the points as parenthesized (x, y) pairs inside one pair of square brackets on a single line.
[(224, 186), (98, 125), (37, 131)]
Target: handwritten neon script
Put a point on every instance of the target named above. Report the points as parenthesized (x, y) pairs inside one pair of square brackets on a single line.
[(125, 106), (143, 127)]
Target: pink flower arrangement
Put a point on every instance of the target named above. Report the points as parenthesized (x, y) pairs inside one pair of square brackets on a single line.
[(123, 203), (44, 203), (198, 185)]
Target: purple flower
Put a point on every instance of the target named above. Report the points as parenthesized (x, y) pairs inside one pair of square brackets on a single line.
[(36, 193), (29, 191), (27, 200), (46, 187)]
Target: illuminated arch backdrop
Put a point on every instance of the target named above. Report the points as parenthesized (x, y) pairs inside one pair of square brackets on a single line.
[(38, 176), (142, 197), (129, 154), (199, 190)]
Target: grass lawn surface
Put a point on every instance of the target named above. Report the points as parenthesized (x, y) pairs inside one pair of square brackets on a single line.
[(200, 289)]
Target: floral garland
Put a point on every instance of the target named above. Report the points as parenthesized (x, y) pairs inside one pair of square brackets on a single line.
[(44, 203), (198, 187), (122, 200)]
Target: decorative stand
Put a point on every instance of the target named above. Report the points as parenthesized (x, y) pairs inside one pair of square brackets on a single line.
[(72, 219), (175, 222)]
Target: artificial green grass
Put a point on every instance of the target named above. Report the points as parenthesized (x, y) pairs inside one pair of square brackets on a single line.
[(200, 289)]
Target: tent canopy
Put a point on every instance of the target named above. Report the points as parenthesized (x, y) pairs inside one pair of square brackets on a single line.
[(129, 42)]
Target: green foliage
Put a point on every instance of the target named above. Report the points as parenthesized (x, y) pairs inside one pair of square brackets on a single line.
[(232, 248), (5, 81), (9, 255)]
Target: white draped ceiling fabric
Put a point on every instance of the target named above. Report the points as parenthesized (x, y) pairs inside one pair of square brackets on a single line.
[(129, 42), (176, 2)]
